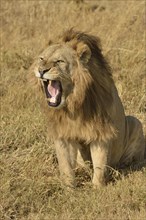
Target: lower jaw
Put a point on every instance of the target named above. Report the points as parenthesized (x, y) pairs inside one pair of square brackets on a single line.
[(58, 106), (53, 105)]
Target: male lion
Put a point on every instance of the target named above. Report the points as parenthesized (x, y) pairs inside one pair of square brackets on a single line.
[(84, 111)]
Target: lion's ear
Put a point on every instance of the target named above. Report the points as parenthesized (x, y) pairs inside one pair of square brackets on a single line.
[(83, 52)]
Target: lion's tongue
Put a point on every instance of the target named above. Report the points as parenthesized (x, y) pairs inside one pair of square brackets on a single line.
[(53, 89)]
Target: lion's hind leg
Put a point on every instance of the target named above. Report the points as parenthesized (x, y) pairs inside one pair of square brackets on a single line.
[(135, 143)]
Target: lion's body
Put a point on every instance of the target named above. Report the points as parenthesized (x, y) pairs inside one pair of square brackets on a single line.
[(89, 114)]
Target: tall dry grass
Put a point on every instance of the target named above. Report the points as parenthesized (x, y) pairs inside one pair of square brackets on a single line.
[(29, 183)]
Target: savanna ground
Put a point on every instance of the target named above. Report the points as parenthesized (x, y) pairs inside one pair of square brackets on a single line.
[(30, 188)]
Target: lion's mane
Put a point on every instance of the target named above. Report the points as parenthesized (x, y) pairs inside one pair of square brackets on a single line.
[(88, 105)]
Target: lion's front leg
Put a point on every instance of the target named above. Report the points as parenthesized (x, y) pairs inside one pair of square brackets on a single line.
[(67, 155), (99, 153)]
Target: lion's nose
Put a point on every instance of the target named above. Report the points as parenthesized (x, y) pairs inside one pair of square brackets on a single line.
[(42, 72)]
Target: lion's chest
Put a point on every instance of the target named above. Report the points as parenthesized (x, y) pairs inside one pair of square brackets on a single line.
[(76, 129)]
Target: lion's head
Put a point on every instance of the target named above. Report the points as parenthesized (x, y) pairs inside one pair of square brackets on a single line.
[(74, 74)]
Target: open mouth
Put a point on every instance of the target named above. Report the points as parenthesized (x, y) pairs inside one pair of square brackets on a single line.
[(53, 90)]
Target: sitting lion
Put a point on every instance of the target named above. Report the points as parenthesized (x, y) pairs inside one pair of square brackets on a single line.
[(83, 109)]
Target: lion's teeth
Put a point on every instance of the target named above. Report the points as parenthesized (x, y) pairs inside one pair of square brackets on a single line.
[(53, 99)]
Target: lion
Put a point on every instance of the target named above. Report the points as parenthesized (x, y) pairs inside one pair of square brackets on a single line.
[(83, 110)]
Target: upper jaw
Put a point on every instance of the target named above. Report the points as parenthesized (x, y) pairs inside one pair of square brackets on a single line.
[(47, 76)]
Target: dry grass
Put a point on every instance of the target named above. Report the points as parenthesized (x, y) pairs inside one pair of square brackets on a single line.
[(29, 184)]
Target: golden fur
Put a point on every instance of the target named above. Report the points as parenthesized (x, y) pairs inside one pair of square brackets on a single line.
[(90, 117)]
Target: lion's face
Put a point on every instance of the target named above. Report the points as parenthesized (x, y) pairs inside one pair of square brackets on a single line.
[(55, 69)]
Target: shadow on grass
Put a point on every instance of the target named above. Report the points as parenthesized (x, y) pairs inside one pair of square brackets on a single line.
[(116, 174), (84, 175)]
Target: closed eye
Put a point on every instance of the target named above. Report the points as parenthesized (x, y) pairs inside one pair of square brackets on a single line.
[(60, 61)]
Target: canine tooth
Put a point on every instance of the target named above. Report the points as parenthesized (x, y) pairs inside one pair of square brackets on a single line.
[(53, 99)]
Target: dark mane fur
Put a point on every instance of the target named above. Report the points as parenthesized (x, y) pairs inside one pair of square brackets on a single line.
[(92, 42), (98, 94)]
